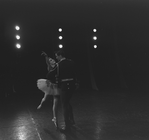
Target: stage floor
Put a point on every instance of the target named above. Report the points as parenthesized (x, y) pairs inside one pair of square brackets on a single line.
[(98, 116)]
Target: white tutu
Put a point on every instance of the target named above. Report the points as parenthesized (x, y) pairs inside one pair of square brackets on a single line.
[(47, 87)]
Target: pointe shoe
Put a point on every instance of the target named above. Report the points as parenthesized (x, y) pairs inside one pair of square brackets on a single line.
[(55, 122)]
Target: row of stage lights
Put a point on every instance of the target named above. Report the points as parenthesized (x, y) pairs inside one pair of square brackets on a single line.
[(17, 37), (94, 38), (60, 37)]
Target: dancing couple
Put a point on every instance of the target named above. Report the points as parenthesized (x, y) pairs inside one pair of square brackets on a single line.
[(61, 83)]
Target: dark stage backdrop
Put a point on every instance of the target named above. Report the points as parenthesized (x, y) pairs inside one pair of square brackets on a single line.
[(119, 62)]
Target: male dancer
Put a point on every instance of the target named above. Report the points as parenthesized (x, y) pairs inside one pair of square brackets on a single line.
[(66, 80)]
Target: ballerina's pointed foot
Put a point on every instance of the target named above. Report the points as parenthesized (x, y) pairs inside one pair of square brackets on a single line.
[(55, 122)]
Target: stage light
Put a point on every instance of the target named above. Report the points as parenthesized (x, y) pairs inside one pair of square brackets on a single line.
[(94, 30), (95, 46), (60, 29), (17, 27), (60, 37), (17, 37), (94, 37), (60, 46), (18, 46)]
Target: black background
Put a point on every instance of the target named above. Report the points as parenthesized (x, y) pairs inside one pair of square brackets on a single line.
[(119, 62)]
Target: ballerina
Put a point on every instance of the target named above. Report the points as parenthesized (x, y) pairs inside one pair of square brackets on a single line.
[(49, 86)]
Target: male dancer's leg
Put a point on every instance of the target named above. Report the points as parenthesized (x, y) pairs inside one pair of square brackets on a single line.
[(68, 111)]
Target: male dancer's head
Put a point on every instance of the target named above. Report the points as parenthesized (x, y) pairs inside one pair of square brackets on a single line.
[(59, 55)]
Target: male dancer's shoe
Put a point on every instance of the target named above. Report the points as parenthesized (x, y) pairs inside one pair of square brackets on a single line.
[(72, 122)]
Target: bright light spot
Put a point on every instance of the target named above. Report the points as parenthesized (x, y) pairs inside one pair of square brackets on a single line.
[(60, 46), (94, 37), (17, 37), (22, 133), (18, 45), (60, 37), (94, 30), (60, 29), (17, 27), (95, 46)]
